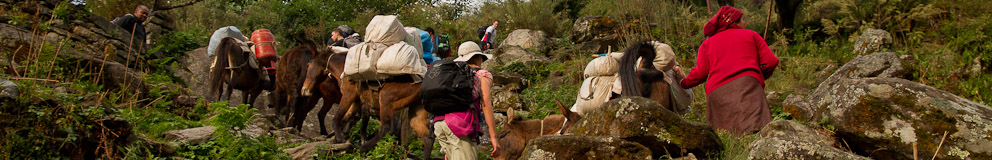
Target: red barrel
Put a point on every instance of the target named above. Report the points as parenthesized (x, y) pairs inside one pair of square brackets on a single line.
[(264, 44)]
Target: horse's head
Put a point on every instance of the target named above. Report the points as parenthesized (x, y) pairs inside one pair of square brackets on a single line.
[(571, 118), (323, 65)]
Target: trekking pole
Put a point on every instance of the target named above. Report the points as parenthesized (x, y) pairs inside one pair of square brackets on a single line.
[(768, 19)]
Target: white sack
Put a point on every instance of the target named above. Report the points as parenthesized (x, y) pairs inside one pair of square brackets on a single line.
[(594, 92), (220, 34), (382, 32), (401, 59), (602, 66), (413, 38)]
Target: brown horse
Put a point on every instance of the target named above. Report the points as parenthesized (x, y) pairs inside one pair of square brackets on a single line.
[(644, 80), (386, 99), (232, 68), (516, 134), (292, 73)]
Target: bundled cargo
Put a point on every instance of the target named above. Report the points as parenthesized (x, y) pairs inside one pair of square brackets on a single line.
[(594, 92), (384, 53), (223, 32), (602, 66)]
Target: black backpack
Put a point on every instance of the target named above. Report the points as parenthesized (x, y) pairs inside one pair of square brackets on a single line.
[(443, 47), (482, 31), (447, 87)]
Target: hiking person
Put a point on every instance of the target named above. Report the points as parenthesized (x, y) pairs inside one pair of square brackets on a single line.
[(427, 44), (736, 62), (430, 31), (443, 46), (455, 130), (343, 36), (132, 24), (487, 34)]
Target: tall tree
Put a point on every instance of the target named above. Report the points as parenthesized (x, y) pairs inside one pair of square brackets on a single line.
[(787, 11)]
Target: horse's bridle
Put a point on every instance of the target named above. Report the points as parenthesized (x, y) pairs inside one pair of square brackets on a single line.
[(559, 132)]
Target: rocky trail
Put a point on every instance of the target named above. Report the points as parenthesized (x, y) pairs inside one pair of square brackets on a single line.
[(871, 107)]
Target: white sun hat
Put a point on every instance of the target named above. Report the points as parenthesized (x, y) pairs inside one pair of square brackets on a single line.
[(468, 50)]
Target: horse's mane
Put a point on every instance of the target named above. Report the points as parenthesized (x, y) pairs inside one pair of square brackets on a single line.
[(633, 81)]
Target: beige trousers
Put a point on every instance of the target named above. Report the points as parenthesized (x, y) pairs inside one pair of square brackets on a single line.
[(453, 147)]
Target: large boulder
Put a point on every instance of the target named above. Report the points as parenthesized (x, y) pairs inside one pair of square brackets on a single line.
[(596, 34), (309, 150), (505, 98), (871, 41), (887, 118), (191, 135), (505, 55), (8, 90), (510, 80), (881, 65), (528, 39), (784, 139), (583, 147), (646, 122)]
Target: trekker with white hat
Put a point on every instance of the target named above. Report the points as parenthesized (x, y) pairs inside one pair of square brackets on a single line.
[(455, 130)]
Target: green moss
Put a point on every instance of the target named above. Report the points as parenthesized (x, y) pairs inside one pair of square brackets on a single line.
[(794, 111), (868, 114)]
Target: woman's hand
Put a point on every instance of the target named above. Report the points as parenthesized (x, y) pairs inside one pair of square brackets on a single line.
[(496, 148), (678, 70)]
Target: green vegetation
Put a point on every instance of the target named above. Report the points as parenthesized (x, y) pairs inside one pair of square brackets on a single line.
[(63, 110)]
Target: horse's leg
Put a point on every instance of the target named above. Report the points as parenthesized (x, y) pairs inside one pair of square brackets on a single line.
[(349, 99), (421, 125), (363, 128), (392, 97), (303, 111), (230, 89), (332, 95), (385, 124), (254, 96)]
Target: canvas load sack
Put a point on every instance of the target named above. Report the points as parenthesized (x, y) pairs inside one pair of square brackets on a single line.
[(401, 59), (219, 34), (413, 38), (594, 92), (602, 66), (382, 32)]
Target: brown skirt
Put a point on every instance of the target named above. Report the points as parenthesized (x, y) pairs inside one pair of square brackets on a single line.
[(738, 106)]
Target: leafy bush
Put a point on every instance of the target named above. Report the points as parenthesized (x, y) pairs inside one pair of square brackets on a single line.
[(229, 142)]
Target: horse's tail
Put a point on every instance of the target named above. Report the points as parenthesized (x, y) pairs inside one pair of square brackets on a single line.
[(628, 67), (216, 77)]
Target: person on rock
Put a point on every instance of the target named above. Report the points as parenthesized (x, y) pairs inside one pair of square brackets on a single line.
[(455, 130), (736, 62), (132, 23), (488, 34)]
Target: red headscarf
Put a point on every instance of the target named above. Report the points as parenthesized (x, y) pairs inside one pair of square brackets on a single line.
[(723, 20)]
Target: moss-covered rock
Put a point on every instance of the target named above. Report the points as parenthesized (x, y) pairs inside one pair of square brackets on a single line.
[(646, 122), (882, 115), (872, 40), (596, 34), (785, 139), (583, 147)]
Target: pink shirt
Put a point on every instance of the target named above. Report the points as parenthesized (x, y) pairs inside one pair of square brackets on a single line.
[(464, 123), (728, 55)]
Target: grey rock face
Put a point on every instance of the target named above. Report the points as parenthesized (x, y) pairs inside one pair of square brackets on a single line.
[(881, 115), (583, 147), (872, 40), (785, 139), (646, 122), (528, 39)]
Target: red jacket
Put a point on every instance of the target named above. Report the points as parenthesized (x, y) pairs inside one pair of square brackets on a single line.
[(731, 54)]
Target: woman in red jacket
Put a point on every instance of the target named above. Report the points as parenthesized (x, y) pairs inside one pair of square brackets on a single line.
[(736, 62)]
